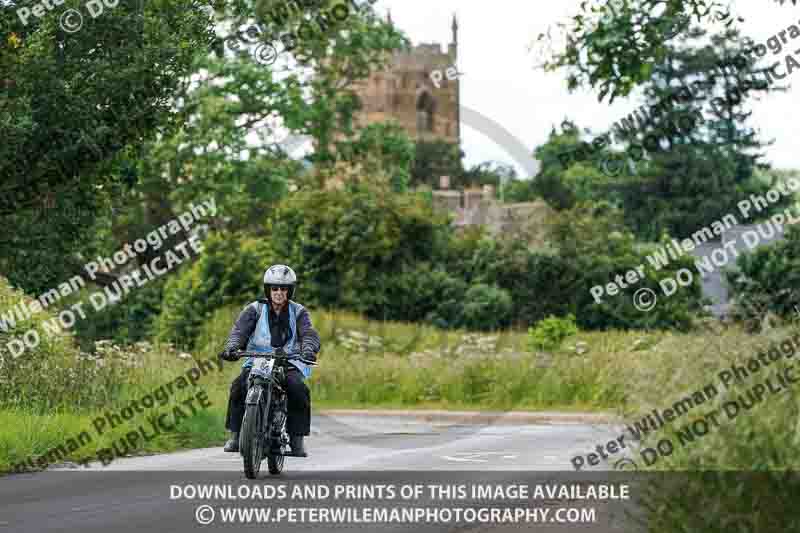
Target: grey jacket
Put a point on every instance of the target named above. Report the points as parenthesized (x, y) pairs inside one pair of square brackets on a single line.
[(307, 337)]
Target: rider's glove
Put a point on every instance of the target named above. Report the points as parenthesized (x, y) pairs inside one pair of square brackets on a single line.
[(229, 354), (309, 356)]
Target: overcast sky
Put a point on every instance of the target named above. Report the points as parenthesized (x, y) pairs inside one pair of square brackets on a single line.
[(499, 79)]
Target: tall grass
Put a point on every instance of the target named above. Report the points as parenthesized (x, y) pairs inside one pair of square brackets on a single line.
[(371, 364), (739, 475), (364, 364), (32, 431)]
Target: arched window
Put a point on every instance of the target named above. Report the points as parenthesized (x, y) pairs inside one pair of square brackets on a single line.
[(425, 113)]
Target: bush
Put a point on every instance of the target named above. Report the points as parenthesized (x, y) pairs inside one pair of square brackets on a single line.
[(594, 244), (536, 282), (342, 242), (230, 271), (551, 332), (768, 279), (486, 307), (591, 247), (127, 322), (419, 293)]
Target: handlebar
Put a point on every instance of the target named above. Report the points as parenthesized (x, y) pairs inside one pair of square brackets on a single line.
[(279, 355)]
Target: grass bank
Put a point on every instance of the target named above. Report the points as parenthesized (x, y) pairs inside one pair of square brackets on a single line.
[(368, 364), (364, 364)]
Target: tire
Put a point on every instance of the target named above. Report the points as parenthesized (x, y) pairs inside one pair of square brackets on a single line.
[(251, 444), (275, 464)]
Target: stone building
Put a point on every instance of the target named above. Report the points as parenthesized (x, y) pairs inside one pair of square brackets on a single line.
[(404, 92), (479, 207)]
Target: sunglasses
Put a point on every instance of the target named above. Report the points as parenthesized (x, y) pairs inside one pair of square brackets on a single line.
[(276, 289)]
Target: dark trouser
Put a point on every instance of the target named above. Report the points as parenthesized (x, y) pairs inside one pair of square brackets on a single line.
[(298, 419)]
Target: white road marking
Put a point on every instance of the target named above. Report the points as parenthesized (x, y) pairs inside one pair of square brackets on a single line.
[(472, 456)]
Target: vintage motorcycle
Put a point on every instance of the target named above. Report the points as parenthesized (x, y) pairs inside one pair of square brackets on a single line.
[(263, 434)]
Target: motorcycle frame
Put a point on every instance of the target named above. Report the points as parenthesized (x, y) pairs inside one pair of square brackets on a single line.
[(267, 379)]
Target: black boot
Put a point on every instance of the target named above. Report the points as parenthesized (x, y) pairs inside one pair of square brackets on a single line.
[(296, 442), (233, 444)]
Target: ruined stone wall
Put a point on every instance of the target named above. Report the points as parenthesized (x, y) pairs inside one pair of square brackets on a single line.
[(526, 220)]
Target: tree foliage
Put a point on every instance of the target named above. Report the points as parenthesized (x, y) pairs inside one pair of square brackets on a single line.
[(72, 104), (330, 61), (706, 152), (436, 158), (382, 152), (611, 44), (692, 153), (768, 279)]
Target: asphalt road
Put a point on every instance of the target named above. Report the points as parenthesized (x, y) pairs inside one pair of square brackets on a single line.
[(406, 443), (134, 494)]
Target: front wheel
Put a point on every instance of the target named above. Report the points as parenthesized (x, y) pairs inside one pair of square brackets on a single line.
[(251, 441), (277, 429)]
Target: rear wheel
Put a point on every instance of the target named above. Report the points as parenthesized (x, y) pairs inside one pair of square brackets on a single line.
[(251, 439)]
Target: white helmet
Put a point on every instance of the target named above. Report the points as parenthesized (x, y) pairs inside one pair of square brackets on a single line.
[(280, 275)]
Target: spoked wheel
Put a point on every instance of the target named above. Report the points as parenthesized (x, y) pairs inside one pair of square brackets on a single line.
[(250, 442), (275, 464)]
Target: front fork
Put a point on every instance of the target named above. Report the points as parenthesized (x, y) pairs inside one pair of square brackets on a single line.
[(272, 403), (277, 432)]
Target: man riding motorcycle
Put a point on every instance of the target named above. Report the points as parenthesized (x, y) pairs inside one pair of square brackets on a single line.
[(262, 326)]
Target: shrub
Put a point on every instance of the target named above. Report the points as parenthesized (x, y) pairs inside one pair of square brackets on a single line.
[(127, 322), (341, 242), (551, 332), (768, 279), (230, 271), (594, 244), (421, 292), (535, 281), (486, 307)]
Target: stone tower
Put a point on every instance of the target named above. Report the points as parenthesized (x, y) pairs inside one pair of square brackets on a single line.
[(404, 92)]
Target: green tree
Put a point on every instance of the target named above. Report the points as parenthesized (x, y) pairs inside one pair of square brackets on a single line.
[(381, 150), (768, 279), (611, 44), (331, 60), (519, 191), (350, 244), (706, 153), (566, 179), (75, 101), (433, 159), (225, 148), (488, 173)]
